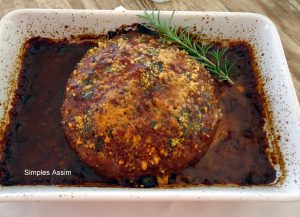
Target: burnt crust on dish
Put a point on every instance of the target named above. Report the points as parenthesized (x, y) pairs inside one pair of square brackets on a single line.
[(135, 106)]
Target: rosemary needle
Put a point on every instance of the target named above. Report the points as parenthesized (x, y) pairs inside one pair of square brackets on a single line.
[(218, 64)]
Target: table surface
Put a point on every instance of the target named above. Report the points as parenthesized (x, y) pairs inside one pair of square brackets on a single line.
[(286, 16), (284, 13)]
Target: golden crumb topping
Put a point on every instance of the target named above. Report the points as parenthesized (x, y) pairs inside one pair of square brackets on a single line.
[(142, 104)]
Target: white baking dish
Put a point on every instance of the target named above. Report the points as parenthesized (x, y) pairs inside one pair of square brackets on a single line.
[(18, 26)]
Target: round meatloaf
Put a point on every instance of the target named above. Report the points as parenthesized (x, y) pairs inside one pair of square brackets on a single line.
[(135, 106)]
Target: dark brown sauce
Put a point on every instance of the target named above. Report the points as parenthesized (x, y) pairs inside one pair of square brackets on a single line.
[(239, 155), (35, 140)]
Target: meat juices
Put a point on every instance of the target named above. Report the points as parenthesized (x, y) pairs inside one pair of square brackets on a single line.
[(34, 138)]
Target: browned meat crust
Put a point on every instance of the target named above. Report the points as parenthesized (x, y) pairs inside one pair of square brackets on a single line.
[(136, 106)]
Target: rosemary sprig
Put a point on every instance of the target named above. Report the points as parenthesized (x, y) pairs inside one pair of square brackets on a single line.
[(218, 64)]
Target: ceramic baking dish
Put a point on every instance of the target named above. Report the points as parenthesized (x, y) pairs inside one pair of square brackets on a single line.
[(18, 26)]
